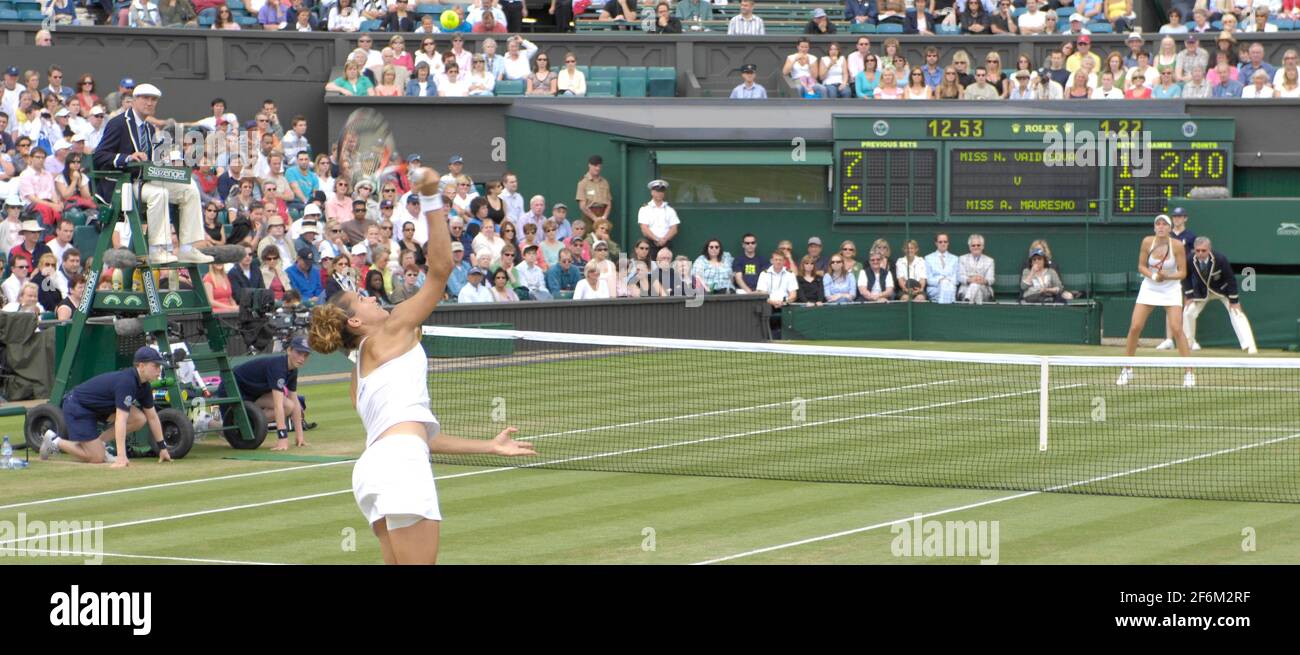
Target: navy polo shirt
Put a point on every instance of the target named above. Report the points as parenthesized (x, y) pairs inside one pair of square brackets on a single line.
[(263, 375), (749, 268), (105, 393)]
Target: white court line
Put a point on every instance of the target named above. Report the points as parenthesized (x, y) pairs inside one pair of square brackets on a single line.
[(77, 553), (994, 501), (540, 436), (1082, 421), (235, 508), (165, 485), (784, 403)]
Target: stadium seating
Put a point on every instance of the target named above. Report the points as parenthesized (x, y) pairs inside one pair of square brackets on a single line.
[(601, 88), (1110, 283), (510, 88), (1077, 282), (1006, 287), (604, 73), (632, 82), (663, 81)]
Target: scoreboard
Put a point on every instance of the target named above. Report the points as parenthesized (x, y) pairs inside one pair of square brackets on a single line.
[(1009, 169)]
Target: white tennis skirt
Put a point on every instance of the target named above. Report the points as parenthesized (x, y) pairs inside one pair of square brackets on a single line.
[(1160, 294), (394, 480)]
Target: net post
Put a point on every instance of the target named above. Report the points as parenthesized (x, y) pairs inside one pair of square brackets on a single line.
[(1043, 380)]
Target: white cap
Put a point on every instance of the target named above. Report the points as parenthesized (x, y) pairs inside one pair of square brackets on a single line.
[(61, 145), (360, 249), (311, 210), (78, 137), (13, 201), (147, 90), (1073, 17), (63, 112)]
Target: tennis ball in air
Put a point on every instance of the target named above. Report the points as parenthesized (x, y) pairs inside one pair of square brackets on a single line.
[(425, 181), (450, 20)]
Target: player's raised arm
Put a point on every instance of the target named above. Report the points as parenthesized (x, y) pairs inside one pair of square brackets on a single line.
[(412, 312)]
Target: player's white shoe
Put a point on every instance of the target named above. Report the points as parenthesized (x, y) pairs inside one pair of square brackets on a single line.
[(1195, 346), (1167, 344), (48, 449), (1125, 376), (1189, 379)]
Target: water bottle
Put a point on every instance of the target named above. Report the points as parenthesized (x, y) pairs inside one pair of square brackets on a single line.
[(6, 454)]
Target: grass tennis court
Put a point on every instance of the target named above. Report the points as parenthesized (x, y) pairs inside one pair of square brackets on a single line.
[(207, 508)]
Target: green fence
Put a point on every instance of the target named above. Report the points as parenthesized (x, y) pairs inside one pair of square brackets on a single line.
[(1272, 302)]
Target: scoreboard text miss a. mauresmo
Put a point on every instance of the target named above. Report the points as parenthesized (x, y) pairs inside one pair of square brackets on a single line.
[(1023, 169)]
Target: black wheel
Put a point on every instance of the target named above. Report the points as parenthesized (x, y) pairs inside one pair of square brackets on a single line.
[(39, 419), (256, 419), (178, 432)]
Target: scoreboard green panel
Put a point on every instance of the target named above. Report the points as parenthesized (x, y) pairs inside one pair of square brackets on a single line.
[(1023, 169)]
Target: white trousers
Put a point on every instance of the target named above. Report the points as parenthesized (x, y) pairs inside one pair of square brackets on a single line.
[(155, 196), (1240, 324)]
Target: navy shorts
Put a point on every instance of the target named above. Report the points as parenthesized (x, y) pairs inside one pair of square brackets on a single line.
[(83, 424)]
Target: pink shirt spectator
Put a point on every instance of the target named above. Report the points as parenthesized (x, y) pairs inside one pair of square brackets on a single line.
[(406, 61), (1212, 76), (34, 183)]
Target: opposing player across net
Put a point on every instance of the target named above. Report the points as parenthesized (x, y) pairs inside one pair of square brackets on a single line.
[(878, 416)]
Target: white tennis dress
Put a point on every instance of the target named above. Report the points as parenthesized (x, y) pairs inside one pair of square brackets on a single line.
[(393, 479), (1166, 293)]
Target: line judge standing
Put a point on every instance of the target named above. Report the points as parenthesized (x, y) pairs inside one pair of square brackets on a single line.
[(129, 138), (657, 218), (1212, 278)]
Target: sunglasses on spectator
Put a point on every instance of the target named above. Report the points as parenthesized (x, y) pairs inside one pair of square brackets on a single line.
[(848, 249), (272, 259), (749, 243)]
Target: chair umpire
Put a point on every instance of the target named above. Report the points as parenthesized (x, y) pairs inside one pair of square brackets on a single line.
[(128, 137)]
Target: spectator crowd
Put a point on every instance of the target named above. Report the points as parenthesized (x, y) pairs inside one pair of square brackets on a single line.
[(311, 226), (1203, 66)]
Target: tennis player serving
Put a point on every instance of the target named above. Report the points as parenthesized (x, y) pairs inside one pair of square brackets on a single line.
[(393, 480), (1162, 261)]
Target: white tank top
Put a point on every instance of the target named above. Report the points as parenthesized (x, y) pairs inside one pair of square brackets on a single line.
[(799, 70), (396, 391), (1169, 267)]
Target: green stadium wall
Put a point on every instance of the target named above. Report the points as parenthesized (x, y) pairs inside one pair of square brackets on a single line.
[(1274, 306)]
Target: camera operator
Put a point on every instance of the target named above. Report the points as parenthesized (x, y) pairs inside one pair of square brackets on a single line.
[(271, 382)]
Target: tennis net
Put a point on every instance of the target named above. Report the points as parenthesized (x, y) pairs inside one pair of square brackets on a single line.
[(826, 414)]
